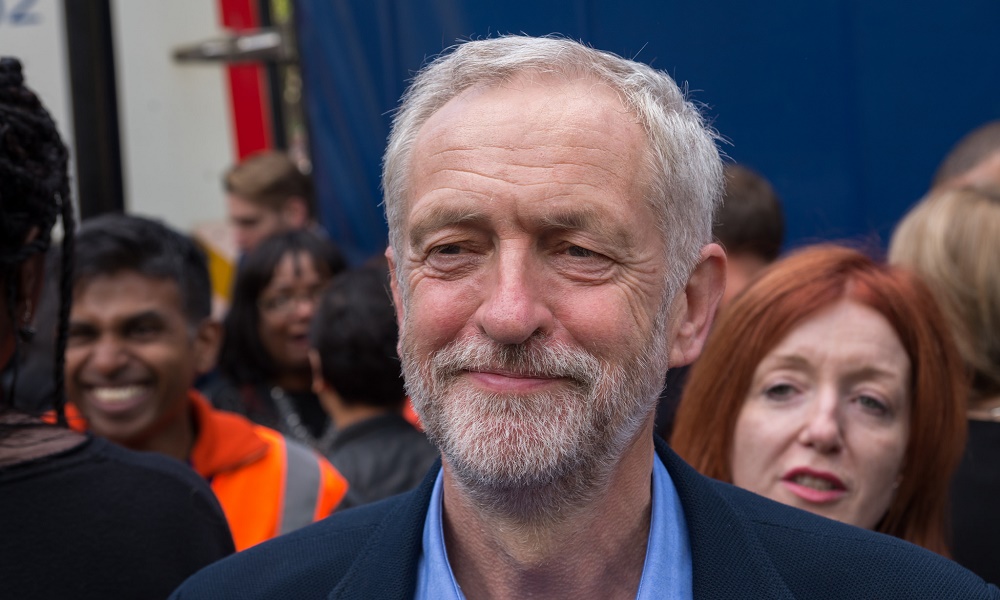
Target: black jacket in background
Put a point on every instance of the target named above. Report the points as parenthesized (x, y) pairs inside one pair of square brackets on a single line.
[(975, 496)]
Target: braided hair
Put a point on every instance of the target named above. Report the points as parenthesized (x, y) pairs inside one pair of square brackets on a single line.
[(34, 192)]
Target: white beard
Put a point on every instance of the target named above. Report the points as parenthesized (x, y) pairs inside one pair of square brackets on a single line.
[(531, 456)]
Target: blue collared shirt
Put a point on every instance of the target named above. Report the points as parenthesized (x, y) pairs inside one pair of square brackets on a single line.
[(666, 572)]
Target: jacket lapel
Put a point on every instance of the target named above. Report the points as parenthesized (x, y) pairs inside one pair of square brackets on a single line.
[(387, 565), (727, 559)]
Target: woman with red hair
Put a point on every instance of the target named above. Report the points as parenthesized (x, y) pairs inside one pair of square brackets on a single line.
[(832, 384)]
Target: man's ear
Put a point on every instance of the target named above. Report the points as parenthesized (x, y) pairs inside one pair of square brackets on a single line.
[(329, 399), (694, 309), (397, 299), (315, 363), (295, 212), (207, 340)]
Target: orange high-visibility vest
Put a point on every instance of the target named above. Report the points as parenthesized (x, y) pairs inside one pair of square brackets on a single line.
[(267, 485)]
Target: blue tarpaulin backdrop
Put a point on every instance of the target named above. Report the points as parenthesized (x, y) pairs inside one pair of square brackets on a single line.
[(846, 106)]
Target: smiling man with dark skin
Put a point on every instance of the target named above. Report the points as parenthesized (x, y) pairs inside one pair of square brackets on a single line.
[(139, 335), (550, 210), (137, 398)]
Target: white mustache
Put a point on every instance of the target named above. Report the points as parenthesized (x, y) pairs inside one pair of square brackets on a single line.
[(535, 358)]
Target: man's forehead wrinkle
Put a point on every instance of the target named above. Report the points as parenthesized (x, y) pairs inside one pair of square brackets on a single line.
[(567, 172), (555, 174), (499, 177), (602, 158), (553, 149)]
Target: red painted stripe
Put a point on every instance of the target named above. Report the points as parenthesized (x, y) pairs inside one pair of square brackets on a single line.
[(250, 114), (249, 107), (238, 15)]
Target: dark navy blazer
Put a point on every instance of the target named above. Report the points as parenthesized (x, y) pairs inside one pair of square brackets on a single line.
[(742, 545)]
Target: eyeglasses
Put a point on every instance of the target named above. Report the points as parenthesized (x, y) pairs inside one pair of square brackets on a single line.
[(286, 302)]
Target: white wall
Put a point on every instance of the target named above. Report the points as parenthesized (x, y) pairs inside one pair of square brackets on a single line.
[(175, 124), (35, 33)]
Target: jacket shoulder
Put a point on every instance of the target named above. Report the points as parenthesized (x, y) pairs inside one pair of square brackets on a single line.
[(821, 558), (798, 554), (307, 563)]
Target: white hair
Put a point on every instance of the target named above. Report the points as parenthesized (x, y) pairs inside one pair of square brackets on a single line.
[(683, 162)]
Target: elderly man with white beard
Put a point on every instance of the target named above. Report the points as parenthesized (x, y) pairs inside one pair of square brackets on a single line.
[(550, 210)]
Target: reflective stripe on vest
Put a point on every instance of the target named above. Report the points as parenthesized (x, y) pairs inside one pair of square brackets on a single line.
[(289, 487), (302, 484)]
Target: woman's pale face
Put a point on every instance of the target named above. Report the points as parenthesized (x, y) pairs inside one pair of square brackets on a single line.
[(826, 420), (286, 308)]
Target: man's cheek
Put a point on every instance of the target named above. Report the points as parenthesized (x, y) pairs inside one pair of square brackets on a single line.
[(437, 320)]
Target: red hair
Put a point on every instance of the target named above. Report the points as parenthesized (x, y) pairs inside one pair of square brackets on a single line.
[(790, 292)]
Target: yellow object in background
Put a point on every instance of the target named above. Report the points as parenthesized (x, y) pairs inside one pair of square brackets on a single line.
[(216, 239)]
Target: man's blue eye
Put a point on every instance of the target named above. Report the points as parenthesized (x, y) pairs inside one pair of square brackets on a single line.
[(578, 252), (448, 249)]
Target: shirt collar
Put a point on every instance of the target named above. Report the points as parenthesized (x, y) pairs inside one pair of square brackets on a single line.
[(434, 576), (666, 572)]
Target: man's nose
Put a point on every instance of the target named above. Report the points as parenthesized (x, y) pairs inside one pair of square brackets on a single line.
[(823, 429), (108, 356), (515, 306)]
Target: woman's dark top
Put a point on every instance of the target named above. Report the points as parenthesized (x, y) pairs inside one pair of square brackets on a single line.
[(100, 521), (975, 502)]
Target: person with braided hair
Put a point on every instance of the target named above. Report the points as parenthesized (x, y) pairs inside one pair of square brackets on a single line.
[(82, 518)]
